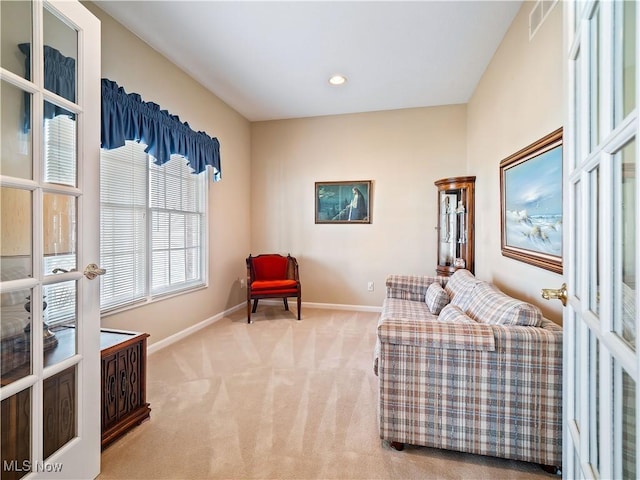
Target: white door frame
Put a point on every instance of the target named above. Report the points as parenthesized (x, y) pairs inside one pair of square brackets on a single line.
[(595, 353), (80, 457)]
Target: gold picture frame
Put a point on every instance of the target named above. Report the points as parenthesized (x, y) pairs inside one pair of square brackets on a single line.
[(531, 203)]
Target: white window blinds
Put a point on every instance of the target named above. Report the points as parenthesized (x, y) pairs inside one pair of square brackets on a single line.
[(60, 150), (177, 204), (152, 226)]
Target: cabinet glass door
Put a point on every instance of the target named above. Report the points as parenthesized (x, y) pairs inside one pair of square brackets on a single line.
[(455, 224)]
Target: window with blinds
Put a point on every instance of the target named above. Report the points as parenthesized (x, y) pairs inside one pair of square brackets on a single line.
[(152, 226)]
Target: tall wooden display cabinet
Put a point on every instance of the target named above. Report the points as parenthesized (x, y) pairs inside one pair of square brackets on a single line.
[(456, 203)]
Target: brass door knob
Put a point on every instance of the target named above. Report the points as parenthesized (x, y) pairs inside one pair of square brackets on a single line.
[(92, 271), (560, 294)]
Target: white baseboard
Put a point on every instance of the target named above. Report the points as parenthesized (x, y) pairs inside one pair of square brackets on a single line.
[(339, 306), (328, 306), (165, 342)]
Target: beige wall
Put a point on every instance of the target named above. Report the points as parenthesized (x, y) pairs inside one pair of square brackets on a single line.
[(138, 68), (519, 100), (269, 170), (403, 152)]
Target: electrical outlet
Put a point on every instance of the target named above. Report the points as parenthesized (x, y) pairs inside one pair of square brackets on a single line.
[(242, 283), (370, 286)]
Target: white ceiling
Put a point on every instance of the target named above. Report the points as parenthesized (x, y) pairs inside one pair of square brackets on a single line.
[(272, 60)]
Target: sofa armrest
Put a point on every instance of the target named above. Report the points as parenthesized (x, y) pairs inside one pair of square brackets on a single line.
[(411, 287), (435, 334)]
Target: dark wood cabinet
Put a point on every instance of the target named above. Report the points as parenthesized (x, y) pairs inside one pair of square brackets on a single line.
[(15, 434), (124, 371), (124, 404), (59, 410), (456, 217)]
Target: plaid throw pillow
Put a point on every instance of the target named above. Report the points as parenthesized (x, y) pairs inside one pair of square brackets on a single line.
[(436, 298), (460, 288)]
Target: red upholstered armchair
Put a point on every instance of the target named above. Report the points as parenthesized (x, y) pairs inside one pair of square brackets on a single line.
[(272, 276)]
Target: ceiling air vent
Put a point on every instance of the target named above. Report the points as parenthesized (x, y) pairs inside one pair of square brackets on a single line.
[(538, 14)]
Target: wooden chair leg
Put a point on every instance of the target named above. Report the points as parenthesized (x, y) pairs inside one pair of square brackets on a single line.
[(299, 304), (255, 305), (286, 303), (248, 310)]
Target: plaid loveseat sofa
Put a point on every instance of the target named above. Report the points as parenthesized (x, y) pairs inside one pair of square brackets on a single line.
[(484, 375)]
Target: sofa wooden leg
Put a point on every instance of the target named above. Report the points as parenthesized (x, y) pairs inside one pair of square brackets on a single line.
[(299, 305), (286, 303), (255, 305), (399, 446)]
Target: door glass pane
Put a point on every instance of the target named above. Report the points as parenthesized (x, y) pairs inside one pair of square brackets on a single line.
[(60, 321), (594, 401), (60, 54), (577, 239), (627, 217), (15, 233), (16, 434), (15, 349), (594, 241), (15, 264), (624, 415), (594, 66), (577, 112), (577, 378), (60, 235), (15, 29), (59, 410), (15, 132), (625, 59), (59, 147)]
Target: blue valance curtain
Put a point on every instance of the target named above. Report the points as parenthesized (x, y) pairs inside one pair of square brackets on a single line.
[(126, 117), (59, 78)]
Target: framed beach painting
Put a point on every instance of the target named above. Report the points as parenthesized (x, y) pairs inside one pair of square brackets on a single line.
[(343, 202), (531, 203)]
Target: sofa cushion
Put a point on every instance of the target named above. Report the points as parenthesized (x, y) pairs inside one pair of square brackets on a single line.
[(460, 287), (452, 313), (436, 298), (403, 309), (490, 305)]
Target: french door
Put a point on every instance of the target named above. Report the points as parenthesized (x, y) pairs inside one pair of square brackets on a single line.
[(602, 205), (49, 127)]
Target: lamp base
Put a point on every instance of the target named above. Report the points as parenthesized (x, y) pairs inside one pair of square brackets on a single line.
[(49, 339)]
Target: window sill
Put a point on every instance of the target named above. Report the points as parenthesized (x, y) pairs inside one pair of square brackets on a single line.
[(152, 299)]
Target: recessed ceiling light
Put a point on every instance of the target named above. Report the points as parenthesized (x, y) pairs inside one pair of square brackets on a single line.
[(337, 80)]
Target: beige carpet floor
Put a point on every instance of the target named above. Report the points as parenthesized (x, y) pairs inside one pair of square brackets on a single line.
[(278, 399)]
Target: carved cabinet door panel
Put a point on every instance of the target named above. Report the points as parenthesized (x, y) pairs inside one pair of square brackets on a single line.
[(109, 391)]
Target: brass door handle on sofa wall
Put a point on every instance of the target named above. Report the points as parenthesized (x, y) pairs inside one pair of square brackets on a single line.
[(560, 294)]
